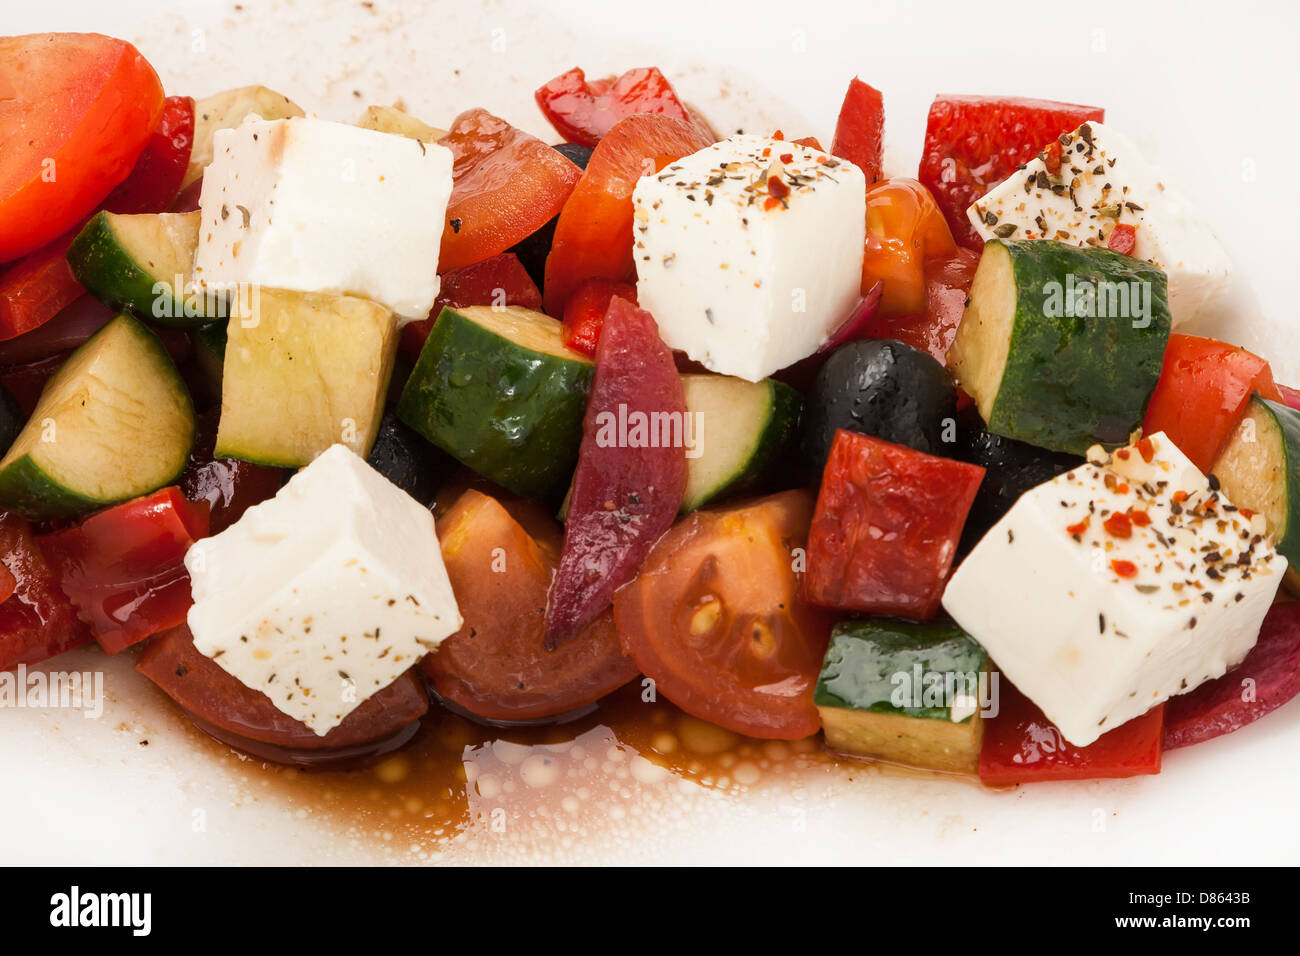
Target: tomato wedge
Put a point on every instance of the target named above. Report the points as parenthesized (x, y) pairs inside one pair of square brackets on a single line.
[(716, 621), (246, 719), (505, 186), (496, 666), (76, 110), (593, 237), (583, 111)]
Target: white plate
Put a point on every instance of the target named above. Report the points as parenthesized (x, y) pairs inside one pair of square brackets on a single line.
[(1208, 92)]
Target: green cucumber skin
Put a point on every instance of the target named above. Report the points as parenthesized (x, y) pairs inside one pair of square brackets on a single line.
[(1073, 382), (1288, 424), (779, 435), (881, 647), (470, 384), (108, 272)]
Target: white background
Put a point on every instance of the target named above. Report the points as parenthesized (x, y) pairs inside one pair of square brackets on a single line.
[(1208, 89)]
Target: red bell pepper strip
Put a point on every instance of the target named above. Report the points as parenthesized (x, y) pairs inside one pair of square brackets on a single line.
[(886, 527), (1202, 392), (584, 314), (1123, 238), (860, 129), (500, 280), (627, 489), (972, 143), (505, 186), (36, 288), (124, 567), (1023, 746), (37, 621), (583, 111), (153, 184)]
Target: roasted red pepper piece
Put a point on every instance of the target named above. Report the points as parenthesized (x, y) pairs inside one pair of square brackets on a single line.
[(1263, 682), (584, 314), (1022, 746), (886, 527), (860, 129), (1202, 391), (583, 111), (229, 486), (972, 143), (593, 237), (628, 485), (123, 567), (505, 186), (37, 621), (1123, 239), (8, 584), (500, 280), (153, 184)]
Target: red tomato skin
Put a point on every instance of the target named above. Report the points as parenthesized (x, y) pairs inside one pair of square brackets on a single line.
[(860, 129), (110, 101), (1202, 392), (123, 567), (584, 314), (972, 143), (154, 182), (499, 280), (593, 237), (8, 584), (496, 665), (583, 112), (886, 527), (37, 621), (1023, 746), (505, 186), (766, 695), (947, 287), (211, 696), (36, 288), (227, 486), (624, 495)]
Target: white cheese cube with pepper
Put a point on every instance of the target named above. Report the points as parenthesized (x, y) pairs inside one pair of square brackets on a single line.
[(1102, 180), (749, 252), (1116, 586), (315, 206), (325, 594)]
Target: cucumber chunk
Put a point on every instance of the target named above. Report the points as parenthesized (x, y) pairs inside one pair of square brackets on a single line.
[(904, 692), (143, 263), (303, 371), (497, 389), (1060, 346), (740, 428), (115, 422), (226, 110)]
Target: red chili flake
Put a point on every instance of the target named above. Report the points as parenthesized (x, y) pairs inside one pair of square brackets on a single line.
[(1246, 513), (1180, 496), (1122, 454), (777, 187), (767, 150), (1147, 449), (786, 157), (778, 135), (1123, 239), (1080, 527), (1121, 488), (1125, 569), (1118, 525), (1051, 157), (1139, 518)]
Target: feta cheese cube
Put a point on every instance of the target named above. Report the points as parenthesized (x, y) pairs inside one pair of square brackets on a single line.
[(1103, 180), (325, 594), (749, 252), (1117, 585), (314, 206)]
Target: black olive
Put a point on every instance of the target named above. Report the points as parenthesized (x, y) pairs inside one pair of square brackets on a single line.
[(402, 456)]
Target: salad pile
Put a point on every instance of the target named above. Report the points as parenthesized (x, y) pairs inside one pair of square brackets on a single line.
[(338, 425)]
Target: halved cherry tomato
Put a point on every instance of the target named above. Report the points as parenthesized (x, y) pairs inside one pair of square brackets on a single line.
[(593, 237), (76, 110), (1202, 392), (37, 621), (583, 111), (972, 143), (229, 486), (500, 280), (905, 229), (505, 186), (716, 621), (124, 567), (234, 713), (584, 314), (495, 666), (860, 129), (947, 287), (1022, 746)]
